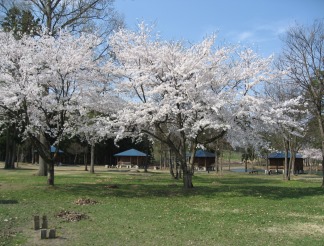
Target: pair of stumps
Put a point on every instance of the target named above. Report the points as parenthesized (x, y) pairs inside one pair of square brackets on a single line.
[(43, 228)]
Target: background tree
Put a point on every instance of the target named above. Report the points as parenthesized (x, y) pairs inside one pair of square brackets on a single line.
[(303, 56), (94, 16), (20, 22)]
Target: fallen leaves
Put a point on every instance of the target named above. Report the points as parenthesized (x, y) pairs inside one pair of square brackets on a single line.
[(85, 201), (71, 216)]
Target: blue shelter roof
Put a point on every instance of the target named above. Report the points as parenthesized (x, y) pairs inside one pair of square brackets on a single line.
[(281, 155), (131, 152), (53, 150), (202, 153)]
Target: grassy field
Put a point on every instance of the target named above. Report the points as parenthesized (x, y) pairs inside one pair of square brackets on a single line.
[(136, 208)]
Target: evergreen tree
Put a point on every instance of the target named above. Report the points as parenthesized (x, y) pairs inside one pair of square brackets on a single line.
[(20, 22)]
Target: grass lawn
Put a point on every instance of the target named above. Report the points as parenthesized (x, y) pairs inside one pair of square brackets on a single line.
[(136, 208)]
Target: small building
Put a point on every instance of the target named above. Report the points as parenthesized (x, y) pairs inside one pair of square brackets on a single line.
[(131, 157), (204, 160), (277, 161)]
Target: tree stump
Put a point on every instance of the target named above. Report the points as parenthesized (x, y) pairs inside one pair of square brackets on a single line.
[(44, 222), (52, 233), (43, 233), (36, 222)]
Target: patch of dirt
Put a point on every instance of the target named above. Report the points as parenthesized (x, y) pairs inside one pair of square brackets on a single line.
[(71, 216), (111, 186), (307, 216), (85, 201), (302, 229)]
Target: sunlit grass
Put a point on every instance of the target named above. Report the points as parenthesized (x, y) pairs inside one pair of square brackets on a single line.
[(153, 209)]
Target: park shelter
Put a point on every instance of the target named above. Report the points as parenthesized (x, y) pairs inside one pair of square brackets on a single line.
[(277, 161), (132, 157), (204, 159)]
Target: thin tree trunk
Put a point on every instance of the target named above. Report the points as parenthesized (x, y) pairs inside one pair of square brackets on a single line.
[(171, 166), (33, 154), (323, 164), (85, 159), (50, 173), (229, 160), (267, 163), (292, 153), (92, 158), (75, 159), (8, 147), (285, 173), (216, 159)]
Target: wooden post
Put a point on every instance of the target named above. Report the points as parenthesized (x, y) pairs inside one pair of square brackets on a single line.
[(44, 222), (52, 233), (36, 222), (43, 233)]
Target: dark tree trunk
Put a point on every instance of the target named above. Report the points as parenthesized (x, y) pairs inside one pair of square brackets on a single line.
[(7, 159), (50, 174), (85, 159), (323, 172), (92, 158), (187, 178), (323, 164), (286, 164), (10, 147)]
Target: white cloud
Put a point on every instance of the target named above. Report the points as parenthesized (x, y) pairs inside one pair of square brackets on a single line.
[(245, 35)]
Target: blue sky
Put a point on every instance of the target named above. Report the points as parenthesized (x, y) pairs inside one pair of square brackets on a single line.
[(255, 23)]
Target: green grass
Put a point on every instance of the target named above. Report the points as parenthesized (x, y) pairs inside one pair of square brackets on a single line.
[(153, 209)]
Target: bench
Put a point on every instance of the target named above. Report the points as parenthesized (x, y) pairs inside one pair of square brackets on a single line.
[(124, 164), (253, 172)]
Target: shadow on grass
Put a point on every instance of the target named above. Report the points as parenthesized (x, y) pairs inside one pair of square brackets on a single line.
[(225, 188), (8, 201)]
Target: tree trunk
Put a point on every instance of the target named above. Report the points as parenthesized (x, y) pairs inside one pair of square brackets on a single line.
[(42, 170), (229, 160), (85, 159), (50, 174), (216, 159), (187, 179), (92, 158), (7, 166), (285, 173), (323, 164), (10, 148), (33, 154), (75, 159), (291, 159), (323, 172), (187, 176), (267, 163), (172, 164)]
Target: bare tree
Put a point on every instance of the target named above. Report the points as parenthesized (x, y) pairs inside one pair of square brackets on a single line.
[(303, 55), (78, 15)]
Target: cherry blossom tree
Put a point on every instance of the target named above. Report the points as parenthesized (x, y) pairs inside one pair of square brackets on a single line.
[(73, 79), (186, 95)]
